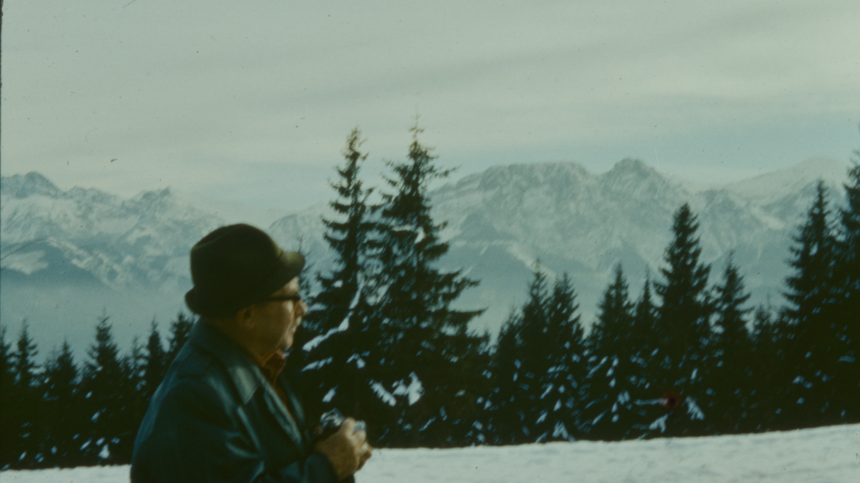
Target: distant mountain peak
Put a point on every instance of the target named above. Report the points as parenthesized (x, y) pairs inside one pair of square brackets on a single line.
[(631, 164), (529, 175), (784, 181), (153, 196), (634, 167), (819, 168), (25, 185), (159, 193)]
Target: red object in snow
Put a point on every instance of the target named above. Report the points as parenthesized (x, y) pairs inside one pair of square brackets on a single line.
[(671, 400)]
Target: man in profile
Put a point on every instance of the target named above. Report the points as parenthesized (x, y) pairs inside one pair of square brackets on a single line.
[(226, 412)]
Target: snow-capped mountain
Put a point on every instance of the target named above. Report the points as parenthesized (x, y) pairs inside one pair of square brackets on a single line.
[(505, 219), (69, 256)]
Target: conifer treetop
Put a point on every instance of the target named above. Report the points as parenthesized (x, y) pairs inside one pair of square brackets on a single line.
[(812, 260), (730, 300), (25, 353)]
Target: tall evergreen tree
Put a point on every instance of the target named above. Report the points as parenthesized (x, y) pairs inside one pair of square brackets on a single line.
[(517, 365), (424, 336), (813, 333), (644, 323), (848, 259), (565, 386), (683, 330), (810, 287), (102, 389), (500, 406), (8, 404), (25, 367), (179, 332), (846, 383), (155, 365), (685, 309), (28, 429), (538, 367), (611, 332), (348, 237), (647, 397), (132, 401), (63, 413), (617, 379), (848, 254), (340, 373), (732, 371), (768, 396), (730, 311)]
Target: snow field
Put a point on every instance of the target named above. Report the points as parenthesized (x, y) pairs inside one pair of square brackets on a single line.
[(820, 455)]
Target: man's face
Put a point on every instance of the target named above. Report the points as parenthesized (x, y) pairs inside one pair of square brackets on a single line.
[(280, 315)]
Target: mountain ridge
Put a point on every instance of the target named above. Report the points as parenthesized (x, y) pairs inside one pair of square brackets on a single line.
[(500, 223)]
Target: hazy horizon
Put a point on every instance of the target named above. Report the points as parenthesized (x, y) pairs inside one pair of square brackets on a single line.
[(253, 103), (326, 197)]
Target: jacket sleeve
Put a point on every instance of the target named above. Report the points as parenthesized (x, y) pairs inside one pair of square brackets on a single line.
[(196, 439)]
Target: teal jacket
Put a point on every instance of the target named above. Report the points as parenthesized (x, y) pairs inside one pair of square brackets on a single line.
[(215, 418)]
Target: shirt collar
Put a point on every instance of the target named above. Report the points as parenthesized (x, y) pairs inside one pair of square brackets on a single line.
[(273, 367)]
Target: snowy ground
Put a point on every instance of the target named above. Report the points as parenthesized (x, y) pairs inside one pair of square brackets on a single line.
[(825, 455)]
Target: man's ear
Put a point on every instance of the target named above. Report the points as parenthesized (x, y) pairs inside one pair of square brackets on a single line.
[(245, 317)]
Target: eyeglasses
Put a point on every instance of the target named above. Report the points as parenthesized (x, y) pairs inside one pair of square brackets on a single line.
[(296, 299), (284, 298)]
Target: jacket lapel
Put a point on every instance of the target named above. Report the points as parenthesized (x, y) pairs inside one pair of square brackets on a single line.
[(247, 378), (286, 421), (295, 408)]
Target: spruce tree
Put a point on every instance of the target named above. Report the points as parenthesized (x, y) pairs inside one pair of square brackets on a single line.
[(532, 356), (565, 386), (179, 332), (644, 324), (732, 374), (132, 402), (848, 253), (102, 387), (846, 383), (810, 286), (647, 397), (615, 376), (63, 415), (683, 330), (518, 365), (348, 236), (768, 396), (539, 367), (155, 365), (341, 360), (611, 333), (26, 416), (814, 333), (536, 356), (8, 435), (25, 367), (423, 336), (848, 261), (504, 401)]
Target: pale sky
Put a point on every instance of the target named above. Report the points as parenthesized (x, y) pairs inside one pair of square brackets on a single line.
[(252, 101)]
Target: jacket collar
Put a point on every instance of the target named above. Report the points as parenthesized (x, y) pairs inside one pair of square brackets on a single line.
[(247, 378), (242, 370)]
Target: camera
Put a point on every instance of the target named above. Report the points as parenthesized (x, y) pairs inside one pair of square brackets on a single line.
[(331, 421)]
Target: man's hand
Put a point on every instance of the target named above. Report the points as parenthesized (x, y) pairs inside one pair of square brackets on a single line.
[(347, 449)]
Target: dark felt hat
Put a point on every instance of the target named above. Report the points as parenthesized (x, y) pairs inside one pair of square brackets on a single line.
[(236, 266)]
